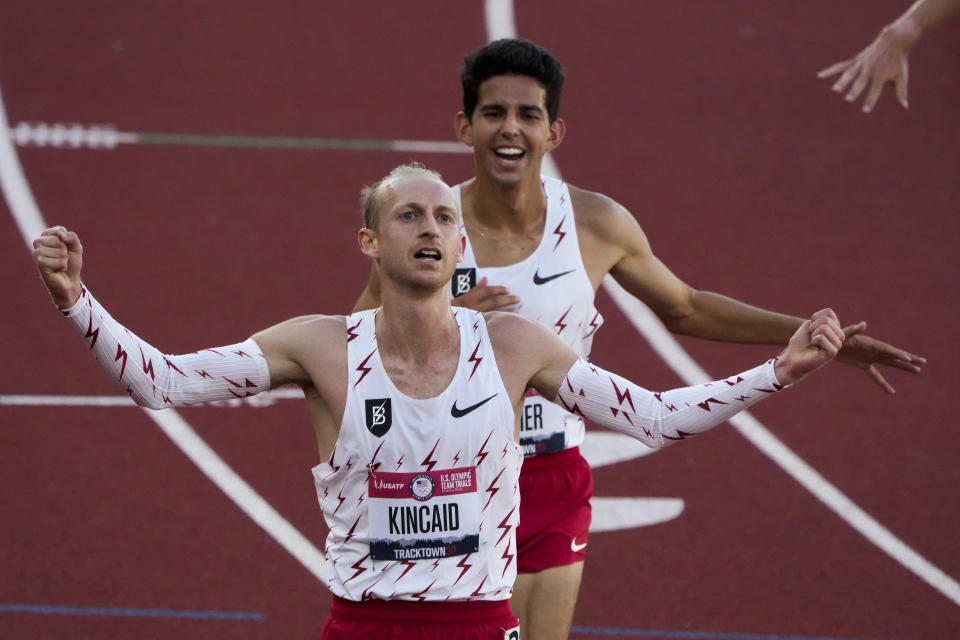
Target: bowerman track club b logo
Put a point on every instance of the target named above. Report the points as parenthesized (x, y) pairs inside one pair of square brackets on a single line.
[(463, 280), (379, 417)]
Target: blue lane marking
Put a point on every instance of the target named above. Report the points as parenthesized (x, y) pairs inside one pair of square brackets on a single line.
[(692, 635), (149, 613)]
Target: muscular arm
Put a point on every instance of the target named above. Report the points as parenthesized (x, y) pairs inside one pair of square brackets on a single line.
[(661, 418), (154, 379), (157, 380), (612, 242)]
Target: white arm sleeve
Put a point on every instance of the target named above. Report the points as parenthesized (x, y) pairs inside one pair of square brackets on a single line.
[(156, 380), (662, 418)]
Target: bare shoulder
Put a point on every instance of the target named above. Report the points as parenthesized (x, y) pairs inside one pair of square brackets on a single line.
[(599, 214), (608, 233), (307, 328), (520, 340), (529, 354), (506, 327), (302, 348)]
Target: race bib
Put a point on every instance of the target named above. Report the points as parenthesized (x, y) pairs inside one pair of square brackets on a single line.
[(423, 515), (542, 426)]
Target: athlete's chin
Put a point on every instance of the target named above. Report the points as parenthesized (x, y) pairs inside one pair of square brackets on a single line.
[(428, 282)]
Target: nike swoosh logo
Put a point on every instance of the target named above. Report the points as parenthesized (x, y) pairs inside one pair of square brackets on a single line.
[(538, 279), (577, 547), (459, 413)]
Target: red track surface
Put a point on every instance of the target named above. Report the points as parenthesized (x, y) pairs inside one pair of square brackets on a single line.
[(703, 118)]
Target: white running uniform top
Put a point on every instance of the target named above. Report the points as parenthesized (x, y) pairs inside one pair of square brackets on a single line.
[(421, 495), (554, 289)]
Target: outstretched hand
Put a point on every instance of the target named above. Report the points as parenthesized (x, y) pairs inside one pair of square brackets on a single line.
[(883, 61), (58, 255), (815, 343), (484, 297), (866, 353)]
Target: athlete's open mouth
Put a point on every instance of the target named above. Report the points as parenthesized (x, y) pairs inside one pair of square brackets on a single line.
[(431, 254), (509, 153)]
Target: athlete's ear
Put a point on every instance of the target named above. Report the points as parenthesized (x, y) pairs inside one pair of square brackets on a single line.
[(463, 128), (463, 248), (558, 129), (367, 238)]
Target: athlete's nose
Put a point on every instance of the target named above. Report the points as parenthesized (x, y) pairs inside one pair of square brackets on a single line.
[(430, 227), (511, 125)]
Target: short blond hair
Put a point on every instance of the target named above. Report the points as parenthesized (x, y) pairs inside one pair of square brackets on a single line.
[(371, 196)]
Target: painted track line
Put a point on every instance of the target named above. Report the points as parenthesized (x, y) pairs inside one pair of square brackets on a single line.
[(501, 24), (690, 635), (76, 136), (30, 222), (136, 613)]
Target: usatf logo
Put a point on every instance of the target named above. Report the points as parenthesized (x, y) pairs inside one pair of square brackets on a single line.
[(421, 487), (379, 417), (463, 281)]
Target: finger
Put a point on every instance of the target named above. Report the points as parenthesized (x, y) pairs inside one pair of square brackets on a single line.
[(833, 333), (892, 354), (823, 343), (848, 76), (834, 69), (825, 318), (51, 253), (875, 375), (485, 291), (825, 312), (903, 365), (71, 239), (872, 96), (854, 329), (499, 302), (494, 303), (51, 241), (51, 263), (901, 86), (858, 86)]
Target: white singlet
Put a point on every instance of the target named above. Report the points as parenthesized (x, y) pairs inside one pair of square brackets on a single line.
[(554, 289), (421, 495)]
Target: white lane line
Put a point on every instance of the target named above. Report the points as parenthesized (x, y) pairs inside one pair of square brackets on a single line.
[(245, 497), (19, 198), (61, 135), (30, 222), (427, 146), (647, 323), (48, 400), (614, 514)]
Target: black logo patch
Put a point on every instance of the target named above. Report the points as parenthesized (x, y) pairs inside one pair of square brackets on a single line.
[(463, 280), (379, 417)]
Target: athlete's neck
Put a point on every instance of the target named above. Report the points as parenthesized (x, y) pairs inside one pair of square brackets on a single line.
[(416, 329), (506, 209)]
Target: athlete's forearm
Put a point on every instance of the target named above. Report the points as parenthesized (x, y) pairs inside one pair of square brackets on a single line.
[(156, 380), (924, 15), (717, 317), (662, 418)]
